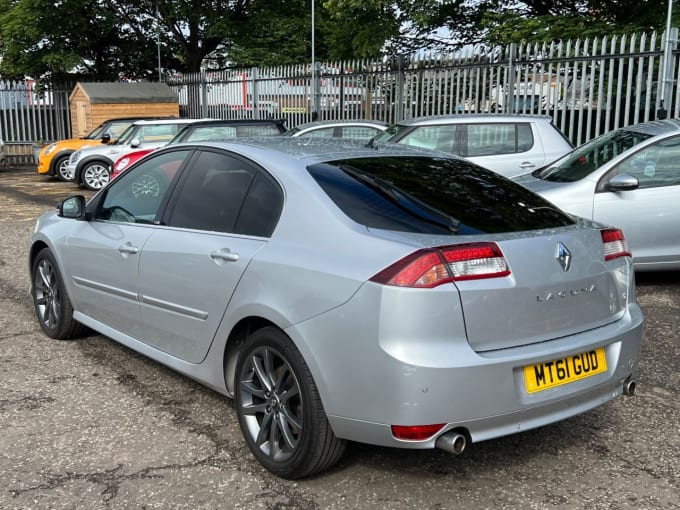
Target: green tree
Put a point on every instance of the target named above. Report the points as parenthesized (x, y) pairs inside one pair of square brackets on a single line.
[(58, 39), (106, 39), (549, 20), (275, 32)]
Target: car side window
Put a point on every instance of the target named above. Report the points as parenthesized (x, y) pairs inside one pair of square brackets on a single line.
[(492, 139), (359, 132), (441, 138), (655, 165), (136, 195), (320, 133), (224, 193), (157, 133), (203, 134)]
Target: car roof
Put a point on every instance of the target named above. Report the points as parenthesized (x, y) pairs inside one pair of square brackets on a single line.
[(655, 127), (236, 122), (312, 150), (141, 117), (434, 120), (168, 121), (341, 122)]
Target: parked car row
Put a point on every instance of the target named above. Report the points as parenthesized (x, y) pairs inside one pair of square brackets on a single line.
[(626, 177), (53, 158)]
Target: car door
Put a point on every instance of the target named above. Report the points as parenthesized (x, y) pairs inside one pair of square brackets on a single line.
[(648, 215), (509, 148), (103, 254), (222, 213)]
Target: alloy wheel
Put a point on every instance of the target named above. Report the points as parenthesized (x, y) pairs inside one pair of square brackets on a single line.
[(271, 403), (47, 293), (96, 176)]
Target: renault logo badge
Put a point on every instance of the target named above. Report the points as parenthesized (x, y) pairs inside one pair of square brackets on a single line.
[(563, 256)]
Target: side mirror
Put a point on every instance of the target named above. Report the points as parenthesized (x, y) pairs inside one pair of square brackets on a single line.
[(622, 182), (72, 207), (106, 137), (135, 142)]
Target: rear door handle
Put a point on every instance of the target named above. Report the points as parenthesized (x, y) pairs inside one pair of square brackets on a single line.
[(224, 255), (127, 248), (527, 164)]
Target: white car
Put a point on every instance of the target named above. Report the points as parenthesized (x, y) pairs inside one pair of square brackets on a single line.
[(510, 145), (2, 151), (346, 129), (629, 177), (92, 166)]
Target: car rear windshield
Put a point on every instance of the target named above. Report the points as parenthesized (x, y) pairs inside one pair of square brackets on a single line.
[(590, 156), (433, 196)]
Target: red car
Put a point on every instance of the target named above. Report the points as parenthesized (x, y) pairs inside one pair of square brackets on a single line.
[(126, 161)]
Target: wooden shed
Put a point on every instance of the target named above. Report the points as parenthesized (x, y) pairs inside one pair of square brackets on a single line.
[(93, 103)]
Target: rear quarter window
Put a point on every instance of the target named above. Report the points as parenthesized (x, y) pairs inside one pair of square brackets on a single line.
[(433, 196), (493, 139)]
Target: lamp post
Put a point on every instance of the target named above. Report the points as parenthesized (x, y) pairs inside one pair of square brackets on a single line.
[(158, 42), (668, 72), (315, 95)]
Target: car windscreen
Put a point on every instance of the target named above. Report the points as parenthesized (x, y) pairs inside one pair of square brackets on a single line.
[(291, 131), (96, 132), (432, 195), (587, 158), (126, 135), (388, 133)]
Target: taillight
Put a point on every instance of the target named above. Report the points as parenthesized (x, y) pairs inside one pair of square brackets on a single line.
[(476, 260), (435, 266), (615, 244)]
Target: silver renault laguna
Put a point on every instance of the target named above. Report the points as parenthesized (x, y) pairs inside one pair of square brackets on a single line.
[(390, 295)]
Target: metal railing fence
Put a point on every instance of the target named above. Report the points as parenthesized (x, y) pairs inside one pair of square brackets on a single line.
[(587, 86), (30, 117)]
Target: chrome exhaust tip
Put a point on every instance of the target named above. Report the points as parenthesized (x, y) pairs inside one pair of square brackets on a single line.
[(452, 442), (629, 387)]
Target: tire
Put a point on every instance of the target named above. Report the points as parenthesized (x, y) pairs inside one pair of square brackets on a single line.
[(52, 305), (95, 175), (60, 169), (279, 408)]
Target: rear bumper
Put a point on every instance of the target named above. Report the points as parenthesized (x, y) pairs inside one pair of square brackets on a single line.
[(420, 370), (483, 428)]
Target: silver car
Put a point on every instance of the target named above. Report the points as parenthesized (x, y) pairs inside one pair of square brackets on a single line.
[(337, 292), (510, 145), (629, 177), (92, 166)]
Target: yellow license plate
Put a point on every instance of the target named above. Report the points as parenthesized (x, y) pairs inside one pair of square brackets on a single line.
[(564, 370)]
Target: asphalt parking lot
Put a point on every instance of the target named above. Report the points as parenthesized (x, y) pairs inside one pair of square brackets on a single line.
[(90, 424)]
